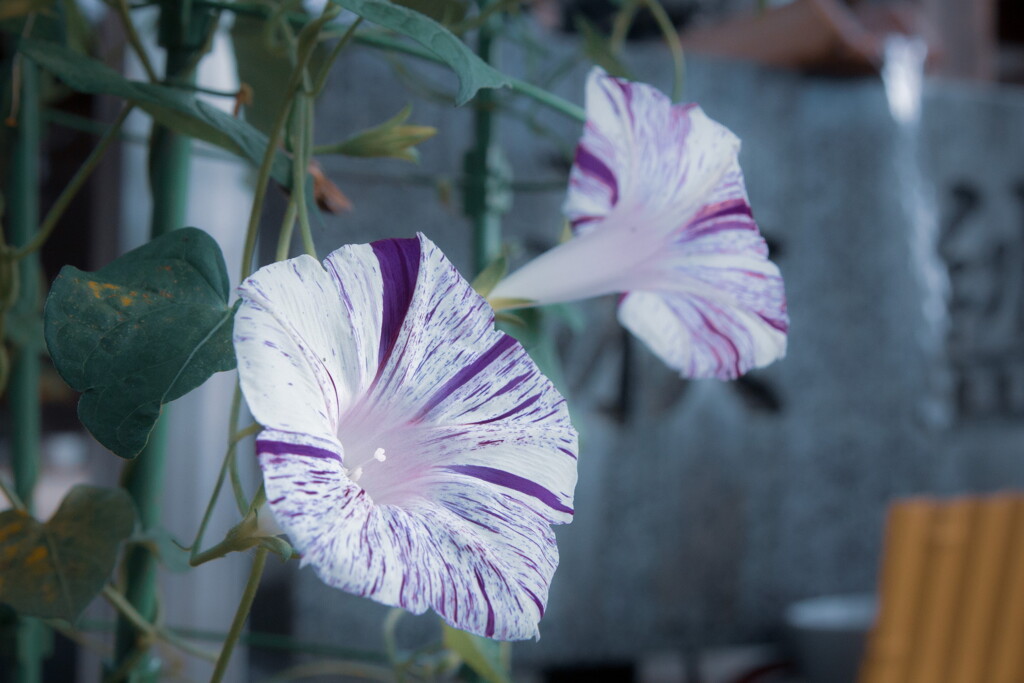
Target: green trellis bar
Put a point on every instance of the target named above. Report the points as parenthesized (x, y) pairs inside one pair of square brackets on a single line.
[(486, 193), (182, 31), (23, 387)]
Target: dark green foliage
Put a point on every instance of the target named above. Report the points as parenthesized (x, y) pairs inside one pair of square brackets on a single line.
[(146, 329), (175, 108), (55, 569), (473, 72)]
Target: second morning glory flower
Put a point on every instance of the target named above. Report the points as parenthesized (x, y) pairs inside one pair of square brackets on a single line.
[(413, 454), (660, 214)]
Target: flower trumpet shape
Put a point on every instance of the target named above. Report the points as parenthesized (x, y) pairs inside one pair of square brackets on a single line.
[(659, 212), (413, 454)]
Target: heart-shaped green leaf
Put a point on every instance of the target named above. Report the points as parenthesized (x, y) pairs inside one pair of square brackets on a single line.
[(55, 569), (144, 330), (177, 109), (473, 72)]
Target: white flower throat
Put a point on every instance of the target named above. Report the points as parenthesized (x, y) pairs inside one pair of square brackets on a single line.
[(379, 455)]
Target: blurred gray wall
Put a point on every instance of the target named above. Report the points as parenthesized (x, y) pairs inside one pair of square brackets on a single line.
[(702, 507)]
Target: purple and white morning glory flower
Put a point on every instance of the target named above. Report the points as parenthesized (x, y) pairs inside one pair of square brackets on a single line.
[(413, 454), (660, 213)]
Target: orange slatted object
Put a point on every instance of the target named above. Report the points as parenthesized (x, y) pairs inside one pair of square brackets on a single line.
[(951, 593)]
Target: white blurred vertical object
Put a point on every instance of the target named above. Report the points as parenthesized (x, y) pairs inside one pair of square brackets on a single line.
[(903, 77)]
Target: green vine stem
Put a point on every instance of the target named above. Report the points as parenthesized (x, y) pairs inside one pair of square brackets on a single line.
[(152, 631), (302, 120), (321, 78), (124, 13), (621, 24), (668, 30), (224, 468), (307, 42), (382, 41), (548, 99), (624, 21), (23, 217), (56, 211), (284, 237), (248, 595)]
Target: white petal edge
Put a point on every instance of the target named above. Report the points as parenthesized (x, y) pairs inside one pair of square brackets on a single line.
[(485, 570)]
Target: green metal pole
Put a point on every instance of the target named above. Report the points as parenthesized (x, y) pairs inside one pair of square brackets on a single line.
[(488, 178), (169, 163), (23, 220)]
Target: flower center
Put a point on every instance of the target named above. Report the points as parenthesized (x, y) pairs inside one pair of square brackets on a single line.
[(379, 455)]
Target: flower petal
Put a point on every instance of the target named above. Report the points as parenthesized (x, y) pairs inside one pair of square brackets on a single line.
[(641, 153), (476, 451), (297, 353), (660, 212), (717, 307), (482, 561)]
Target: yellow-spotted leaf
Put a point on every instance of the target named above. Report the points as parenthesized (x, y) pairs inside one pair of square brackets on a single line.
[(143, 330), (55, 569)]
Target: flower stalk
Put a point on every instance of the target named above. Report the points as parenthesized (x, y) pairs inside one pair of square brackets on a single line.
[(251, 586)]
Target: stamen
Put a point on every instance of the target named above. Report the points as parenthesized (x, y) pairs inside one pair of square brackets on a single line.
[(378, 455)]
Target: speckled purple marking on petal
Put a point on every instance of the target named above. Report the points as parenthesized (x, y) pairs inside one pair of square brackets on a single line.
[(511, 481), (509, 413), (467, 373)]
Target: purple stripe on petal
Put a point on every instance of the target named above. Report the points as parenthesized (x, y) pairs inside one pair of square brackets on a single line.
[(780, 324), (511, 481), (512, 384), (536, 600), (733, 351), (283, 448), (594, 167), (489, 629), (509, 413), (399, 268), (735, 206), (467, 373)]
